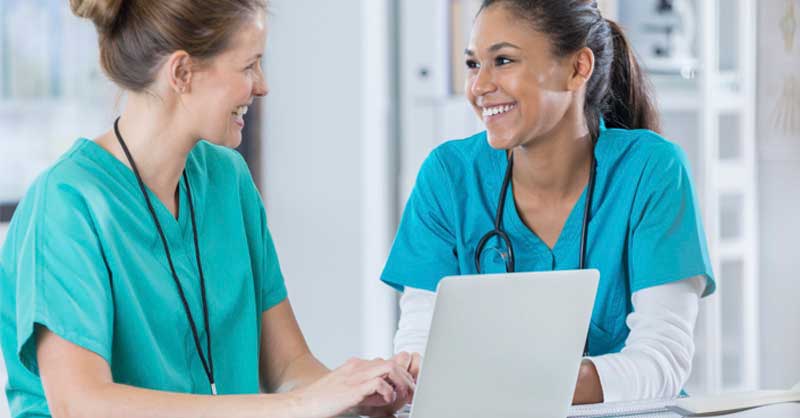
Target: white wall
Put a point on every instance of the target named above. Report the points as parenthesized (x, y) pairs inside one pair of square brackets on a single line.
[(4, 413), (779, 184), (780, 272), (325, 164)]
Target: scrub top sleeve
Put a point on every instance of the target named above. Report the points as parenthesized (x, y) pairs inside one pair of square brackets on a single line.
[(63, 281), (273, 287), (268, 276), (424, 250), (667, 241)]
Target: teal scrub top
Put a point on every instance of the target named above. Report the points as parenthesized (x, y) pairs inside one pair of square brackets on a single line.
[(83, 258), (645, 228)]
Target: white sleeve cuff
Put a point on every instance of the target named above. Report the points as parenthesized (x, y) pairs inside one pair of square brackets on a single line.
[(614, 388), (657, 358), (416, 312)]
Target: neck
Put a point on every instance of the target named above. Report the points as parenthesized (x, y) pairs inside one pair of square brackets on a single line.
[(557, 164), (157, 144)]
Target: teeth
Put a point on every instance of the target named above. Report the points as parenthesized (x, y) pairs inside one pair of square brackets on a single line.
[(240, 111), (496, 110)]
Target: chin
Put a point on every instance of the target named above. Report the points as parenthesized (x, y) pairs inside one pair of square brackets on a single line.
[(500, 141), (233, 141), (229, 141)]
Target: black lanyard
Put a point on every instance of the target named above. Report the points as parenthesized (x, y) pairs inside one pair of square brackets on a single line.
[(208, 365)]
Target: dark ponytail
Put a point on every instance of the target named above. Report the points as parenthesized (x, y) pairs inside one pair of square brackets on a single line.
[(630, 104), (618, 90)]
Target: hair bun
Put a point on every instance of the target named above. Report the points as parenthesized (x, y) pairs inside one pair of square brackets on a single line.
[(102, 12)]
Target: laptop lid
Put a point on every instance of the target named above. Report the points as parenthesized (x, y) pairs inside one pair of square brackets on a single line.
[(505, 345)]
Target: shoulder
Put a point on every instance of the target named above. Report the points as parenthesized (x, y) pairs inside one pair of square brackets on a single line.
[(458, 156), (73, 177), (58, 199), (462, 151), (641, 150)]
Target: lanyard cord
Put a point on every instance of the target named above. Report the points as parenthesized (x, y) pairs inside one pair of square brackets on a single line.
[(208, 365)]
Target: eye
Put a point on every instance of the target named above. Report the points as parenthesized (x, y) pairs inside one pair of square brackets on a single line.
[(253, 65), (472, 64), (500, 61)]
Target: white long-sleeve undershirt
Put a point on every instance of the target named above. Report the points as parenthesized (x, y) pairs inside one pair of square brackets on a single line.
[(657, 357)]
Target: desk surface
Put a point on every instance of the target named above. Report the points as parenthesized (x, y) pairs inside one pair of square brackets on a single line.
[(786, 410)]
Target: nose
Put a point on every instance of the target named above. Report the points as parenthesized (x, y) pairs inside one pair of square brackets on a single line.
[(482, 83), (260, 86)]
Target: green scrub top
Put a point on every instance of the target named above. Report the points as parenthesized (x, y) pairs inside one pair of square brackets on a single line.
[(644, 230), (83, 258)]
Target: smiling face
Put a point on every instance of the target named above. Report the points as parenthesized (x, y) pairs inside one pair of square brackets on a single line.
[(514, 83), (223, 87)]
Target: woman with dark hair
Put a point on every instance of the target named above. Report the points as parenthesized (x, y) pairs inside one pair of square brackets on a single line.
[(139, 277), (570, 173)]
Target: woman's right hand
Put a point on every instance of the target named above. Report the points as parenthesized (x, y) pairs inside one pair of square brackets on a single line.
[(358, 386), (409, 361)]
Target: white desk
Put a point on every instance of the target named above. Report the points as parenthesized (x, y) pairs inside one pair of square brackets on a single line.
[(787, 410)]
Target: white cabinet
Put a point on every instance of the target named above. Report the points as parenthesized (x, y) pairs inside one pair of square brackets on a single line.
[(709, 108)]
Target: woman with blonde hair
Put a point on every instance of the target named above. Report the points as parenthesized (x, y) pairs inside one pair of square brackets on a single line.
[(139, 278)]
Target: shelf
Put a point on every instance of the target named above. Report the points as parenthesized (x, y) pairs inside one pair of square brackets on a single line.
[(678, 94)]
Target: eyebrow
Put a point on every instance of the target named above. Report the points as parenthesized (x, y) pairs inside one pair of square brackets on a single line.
[(494, 48), (256, 56)]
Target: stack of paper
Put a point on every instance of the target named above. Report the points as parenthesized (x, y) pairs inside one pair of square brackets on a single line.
[(727, 403), (640, 409)]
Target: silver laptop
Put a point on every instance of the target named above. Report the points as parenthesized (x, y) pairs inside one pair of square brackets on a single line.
[(505, 345)]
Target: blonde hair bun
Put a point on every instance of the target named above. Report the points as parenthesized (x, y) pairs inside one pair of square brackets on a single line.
[(102, 12)]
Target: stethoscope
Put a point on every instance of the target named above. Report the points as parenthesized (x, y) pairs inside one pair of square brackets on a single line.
[(499, 232)]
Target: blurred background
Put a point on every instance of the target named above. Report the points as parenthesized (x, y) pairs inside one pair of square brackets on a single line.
[(362, 90)]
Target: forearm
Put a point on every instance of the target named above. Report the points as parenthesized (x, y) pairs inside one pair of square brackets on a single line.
[(301, 372), (116, 400), (588, 389)]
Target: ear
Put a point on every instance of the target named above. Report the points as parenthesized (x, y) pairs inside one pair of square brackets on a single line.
[(179, 65), (582, 68)]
